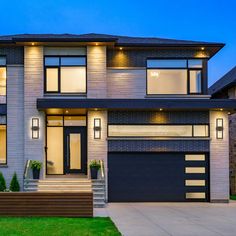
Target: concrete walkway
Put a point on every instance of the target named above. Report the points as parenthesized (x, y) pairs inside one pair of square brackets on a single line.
[(164, 219)]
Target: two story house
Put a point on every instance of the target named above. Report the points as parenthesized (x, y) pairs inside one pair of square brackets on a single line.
[(140, 105)]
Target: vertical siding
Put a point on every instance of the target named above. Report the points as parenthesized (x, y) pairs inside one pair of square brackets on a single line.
[(219, 159), (96, 72), (15, 122), (97, 148), (33, 89), (126, 83)]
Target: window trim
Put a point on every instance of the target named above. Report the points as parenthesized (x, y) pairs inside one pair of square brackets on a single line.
[(187, 68), (59, 74), (178, 124)]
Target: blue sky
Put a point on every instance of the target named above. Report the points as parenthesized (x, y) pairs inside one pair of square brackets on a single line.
[(194, 20)]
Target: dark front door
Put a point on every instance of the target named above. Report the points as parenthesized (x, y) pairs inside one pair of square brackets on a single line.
[(75, 153)]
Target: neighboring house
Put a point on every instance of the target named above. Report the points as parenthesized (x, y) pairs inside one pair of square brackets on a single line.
[(225, 87), (139, 104)]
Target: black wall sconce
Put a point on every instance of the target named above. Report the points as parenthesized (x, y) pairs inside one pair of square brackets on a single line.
[(219, 128), (35, 128), (97, 128)]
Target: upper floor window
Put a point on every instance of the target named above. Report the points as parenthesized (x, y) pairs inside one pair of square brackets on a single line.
[(65, 74), (3, 80), (174, 76)]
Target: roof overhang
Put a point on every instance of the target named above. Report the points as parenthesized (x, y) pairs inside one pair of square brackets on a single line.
[(138, 104)]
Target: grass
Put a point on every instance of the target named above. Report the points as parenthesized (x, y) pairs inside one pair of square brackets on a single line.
[(57, 226), (233, 197)]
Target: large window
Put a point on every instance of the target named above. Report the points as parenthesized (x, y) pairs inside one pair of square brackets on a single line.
[(174, 76), (187, 131), (3, 80), (3, 140), (65, 74)]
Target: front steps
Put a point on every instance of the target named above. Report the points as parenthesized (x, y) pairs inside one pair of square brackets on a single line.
[(69, 185)]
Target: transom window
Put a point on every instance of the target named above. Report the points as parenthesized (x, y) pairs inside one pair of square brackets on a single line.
[(65, 74), (3, 80), (174, 76)]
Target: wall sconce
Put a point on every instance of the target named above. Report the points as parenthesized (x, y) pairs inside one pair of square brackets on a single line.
[(219, 128), (97, 128), (35, 128)]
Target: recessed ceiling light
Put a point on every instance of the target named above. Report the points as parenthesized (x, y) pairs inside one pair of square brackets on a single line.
[(96, 44), (67, 111), (221, 109), (121, 48), (202, 48), (161, 109), (32, 44)]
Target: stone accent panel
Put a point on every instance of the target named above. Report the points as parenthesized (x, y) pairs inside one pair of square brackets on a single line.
[(33, 89), (96, 72), (219, 158)]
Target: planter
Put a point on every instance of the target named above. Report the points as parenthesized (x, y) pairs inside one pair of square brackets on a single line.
[(36, 173), (94, 173)]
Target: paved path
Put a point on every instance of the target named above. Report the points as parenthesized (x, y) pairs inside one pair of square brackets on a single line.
[(165, 219)]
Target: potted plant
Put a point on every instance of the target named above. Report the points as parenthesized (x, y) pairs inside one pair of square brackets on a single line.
[(94, 167), (36, 167)]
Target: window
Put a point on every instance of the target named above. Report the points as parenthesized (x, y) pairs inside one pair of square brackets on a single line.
[(65, 75), (3, 140), (174, 76), (158, 131), (3, 80)]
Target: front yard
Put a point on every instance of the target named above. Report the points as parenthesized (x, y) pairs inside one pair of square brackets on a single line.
[(57, 226)]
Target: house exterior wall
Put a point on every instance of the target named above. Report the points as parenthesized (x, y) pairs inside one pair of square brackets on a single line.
[(219, 159), (33, 89)]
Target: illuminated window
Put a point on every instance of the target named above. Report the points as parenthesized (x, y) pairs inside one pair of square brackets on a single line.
[(65, 75), (174, 76), (3, 80), (3, 140)]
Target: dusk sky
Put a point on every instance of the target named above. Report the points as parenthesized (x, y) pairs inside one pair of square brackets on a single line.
[(200, 20)]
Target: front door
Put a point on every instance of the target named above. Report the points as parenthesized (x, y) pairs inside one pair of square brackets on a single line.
[(75, 159)]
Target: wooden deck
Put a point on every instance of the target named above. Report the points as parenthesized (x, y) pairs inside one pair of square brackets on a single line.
[(76, 204)]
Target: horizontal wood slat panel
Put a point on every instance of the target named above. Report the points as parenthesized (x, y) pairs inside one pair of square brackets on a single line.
[(46, 204)]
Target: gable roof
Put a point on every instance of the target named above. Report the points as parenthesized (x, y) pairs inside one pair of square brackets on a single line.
[(92, 37), (228, 80)]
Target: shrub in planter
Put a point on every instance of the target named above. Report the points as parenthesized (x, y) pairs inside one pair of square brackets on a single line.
[(94, 167), (2, 183), (14, 185), (36, 166)]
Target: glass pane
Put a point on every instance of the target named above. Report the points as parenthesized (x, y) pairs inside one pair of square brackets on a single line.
[(52, 61), (200, 195), (3, 61), (3, 120), (195, 63), (73, 79), (75, 151), (195, 157), (75, 121), (52, 79), (195, 81), (191, 182), (200, 130), (167, 63), (73, 61), (3, 81), (55, 150), (150, 130), (195, 170), (54, 121), (3, 144), (166, 81)]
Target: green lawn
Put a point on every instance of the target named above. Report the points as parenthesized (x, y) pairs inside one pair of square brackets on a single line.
[(56, 226), (233, 197)]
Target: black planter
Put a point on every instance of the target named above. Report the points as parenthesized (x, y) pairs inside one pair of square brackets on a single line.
[(36, 173), (94, 173)]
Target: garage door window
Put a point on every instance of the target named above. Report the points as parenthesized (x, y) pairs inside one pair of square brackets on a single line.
[(158, 131)]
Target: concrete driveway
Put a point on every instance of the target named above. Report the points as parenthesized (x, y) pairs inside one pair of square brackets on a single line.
[(164, 219)]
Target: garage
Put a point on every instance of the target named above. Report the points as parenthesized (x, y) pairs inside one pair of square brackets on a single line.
[(158, 177)]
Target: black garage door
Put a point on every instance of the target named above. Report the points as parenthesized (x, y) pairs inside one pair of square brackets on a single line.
[(150, 177)]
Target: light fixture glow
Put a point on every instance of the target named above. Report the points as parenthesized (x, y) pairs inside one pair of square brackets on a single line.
[(97, 128), (35, 128), (96, 44), (121, 48), (33, 44), (221, 109), (202, 48), (67, 111), (219, 128), (161, 109), (154, 73)]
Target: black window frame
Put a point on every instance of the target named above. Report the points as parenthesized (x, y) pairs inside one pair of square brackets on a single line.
[(59, 74), (187, 68)]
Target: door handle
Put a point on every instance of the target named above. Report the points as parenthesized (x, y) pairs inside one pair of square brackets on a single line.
[(68, 151)]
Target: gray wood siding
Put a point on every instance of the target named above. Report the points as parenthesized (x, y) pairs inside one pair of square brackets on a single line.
[(126, 83)]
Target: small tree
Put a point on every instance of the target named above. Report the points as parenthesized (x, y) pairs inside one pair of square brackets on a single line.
[(14, 185), (2, 183)]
